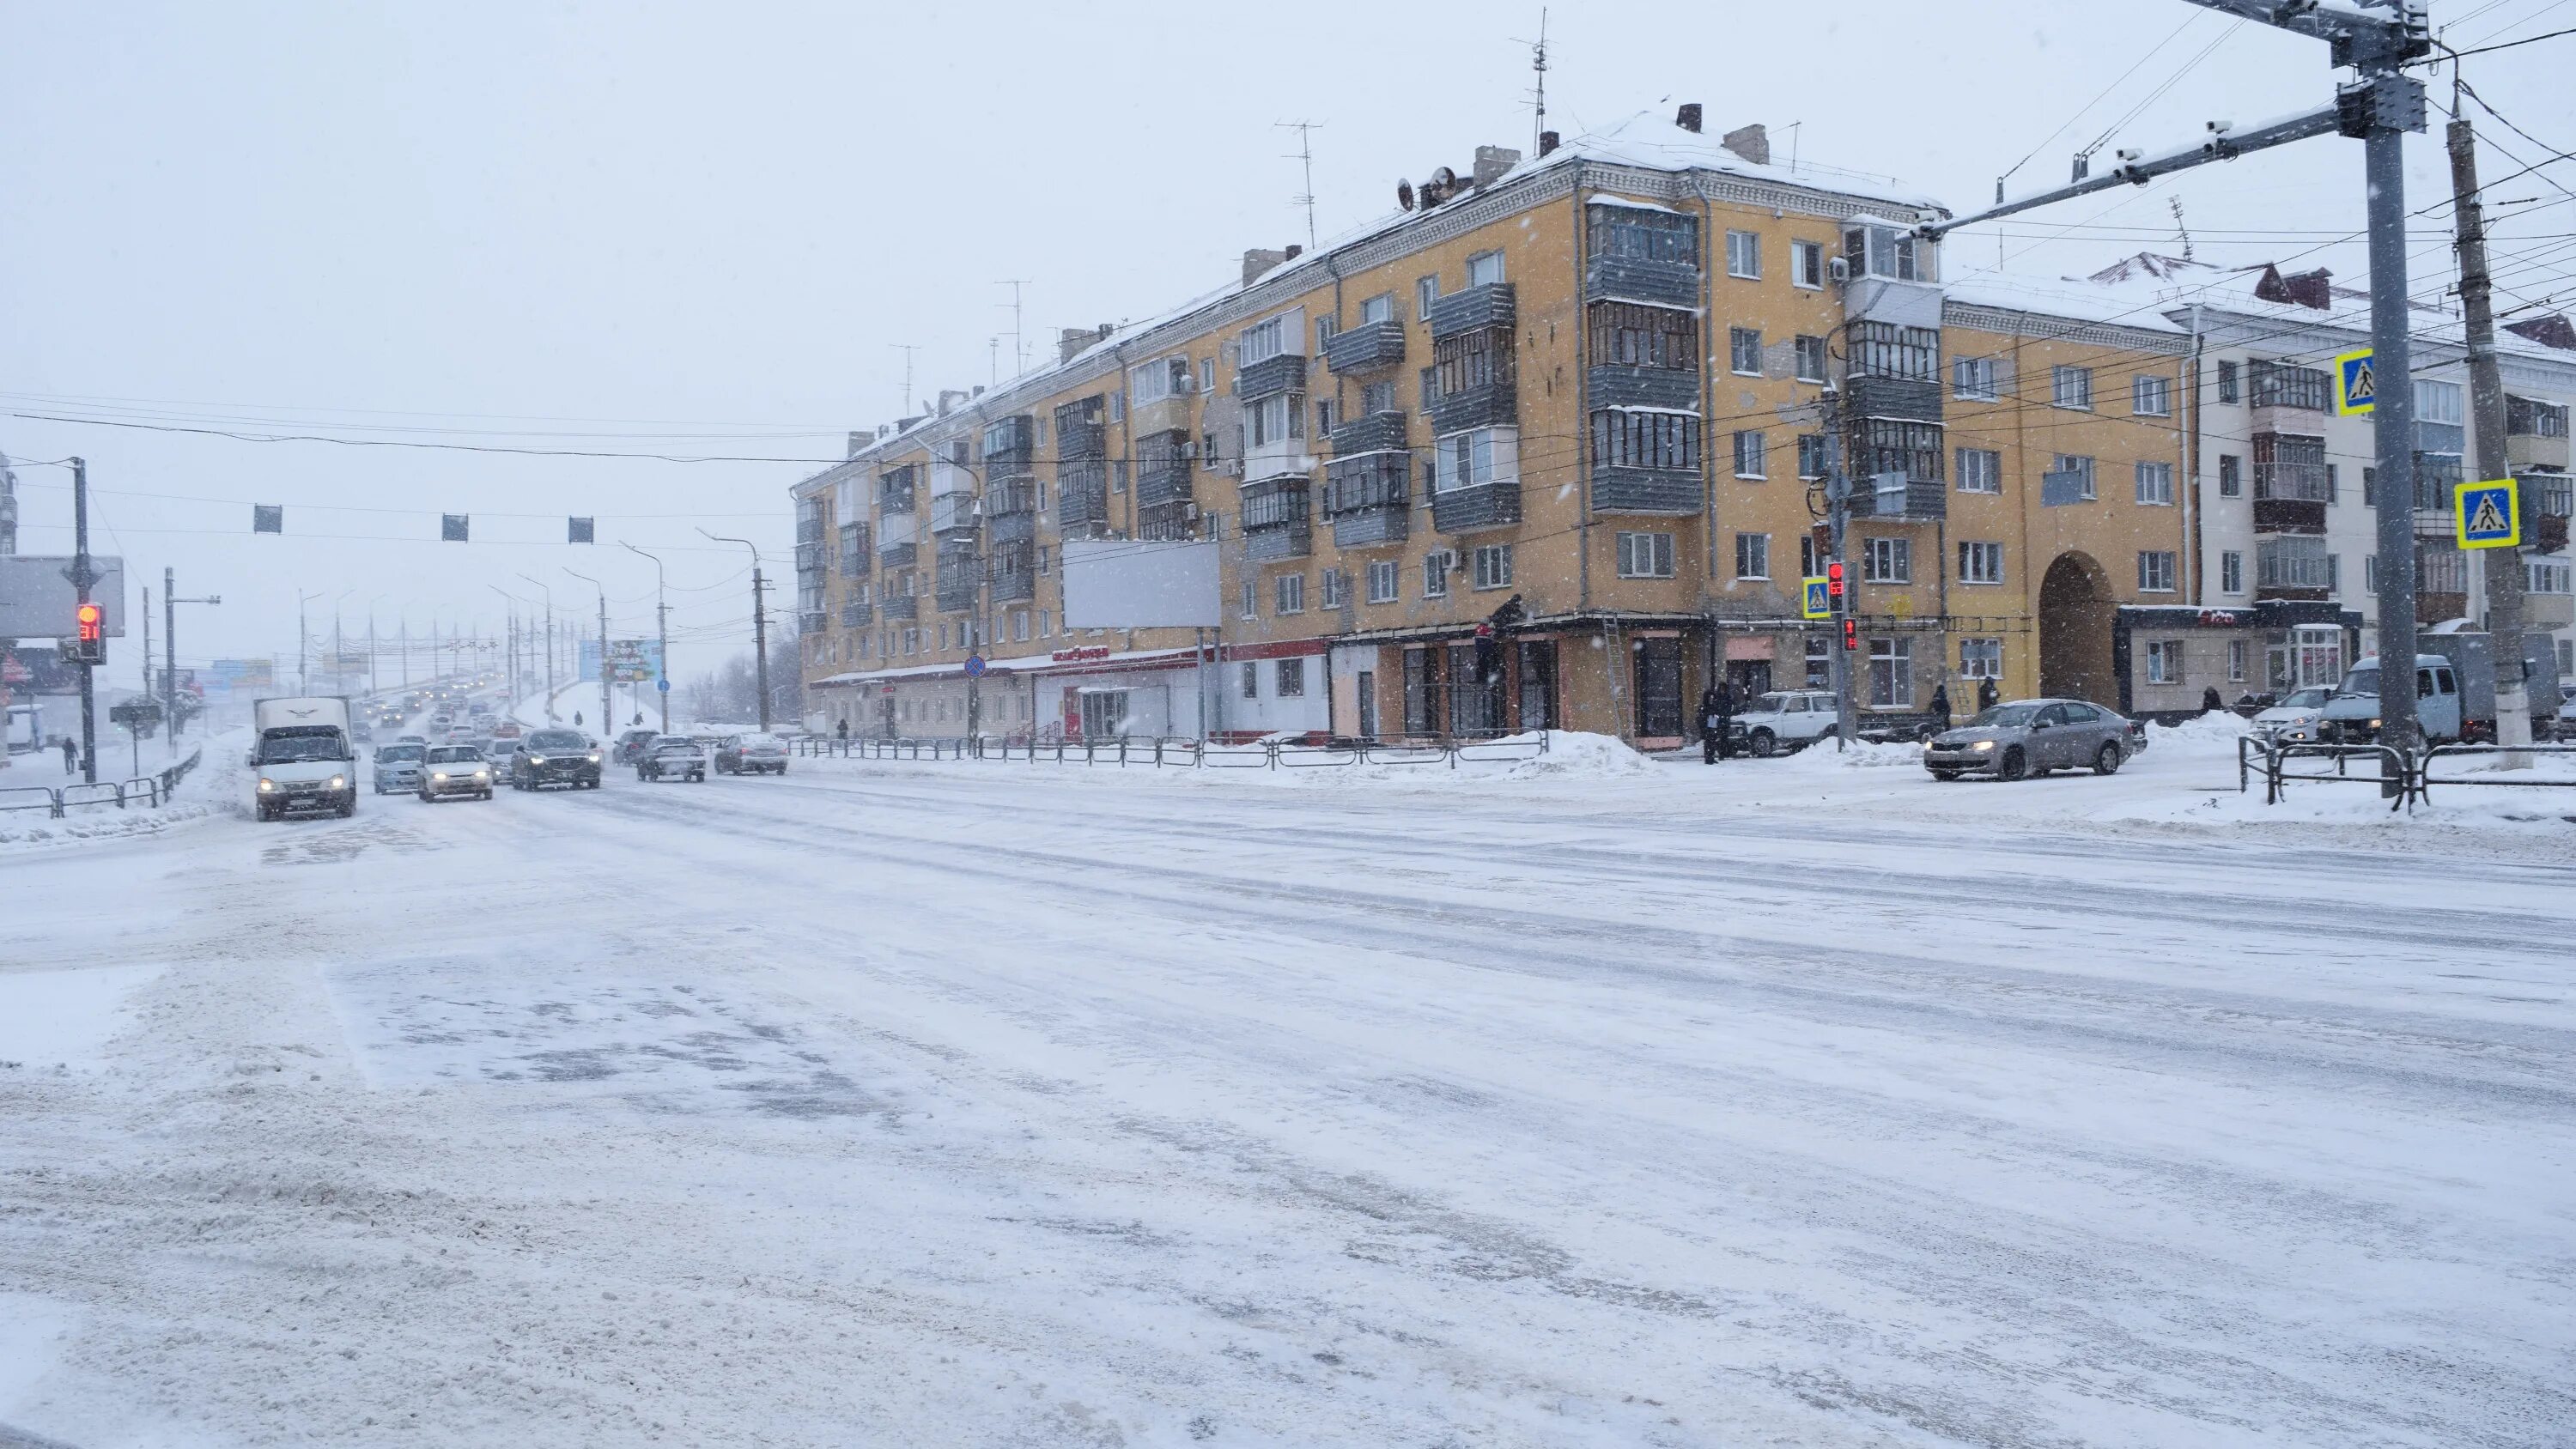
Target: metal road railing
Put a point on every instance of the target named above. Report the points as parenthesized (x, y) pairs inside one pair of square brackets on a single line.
[(2424, 780), (1181, 752), (2273, 760), (57, 801)]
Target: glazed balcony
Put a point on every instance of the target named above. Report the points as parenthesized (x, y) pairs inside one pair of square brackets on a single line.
[(900, 606), (1277, 521), (1385, 432), (1367, 348), (1477, 507), (1672, 389), (812, 621), (1369, 498), (1491, 305)]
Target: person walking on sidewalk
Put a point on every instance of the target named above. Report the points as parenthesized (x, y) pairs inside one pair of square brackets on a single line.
[(71, 755), (1987, 694), (1940, 707), (1716, 722)]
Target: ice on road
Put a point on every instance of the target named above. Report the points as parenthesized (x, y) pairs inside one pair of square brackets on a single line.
[(1022, 1105)]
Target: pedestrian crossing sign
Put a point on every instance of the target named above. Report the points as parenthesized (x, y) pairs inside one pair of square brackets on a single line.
[(2356, 388), (2486, 515), (1820, 602)]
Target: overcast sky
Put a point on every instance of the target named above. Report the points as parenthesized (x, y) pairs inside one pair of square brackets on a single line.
[(705, 228)]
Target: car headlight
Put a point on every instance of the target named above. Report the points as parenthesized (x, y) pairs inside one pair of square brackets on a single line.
[(536, 759), (1983, 745), (2374, 724), (482, 774), (440, 775), (267, 784), (339, 781), (594, 759)]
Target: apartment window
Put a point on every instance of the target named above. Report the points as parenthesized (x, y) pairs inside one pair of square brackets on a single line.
[(1645, 555), (1162, 378), (2440, 402), (1380, 308), (2164, 661), (2231, 572), (1251, 681), (1807, 264), (1479, 456), (2081, 468), (1749, 456), (1117, 405), (1207, 374), (2156, 484), (1435, 573), (1668, 441), (1381, 581), (1820, 662), (2071, 387), (2231, 476), (1291, 680), (1378, 397), (1485, 269), (1981, 563), (2151, 397), (1973, 378), (1891, 673), (1981, 659), (1251, 600), (1744, 350), (2155, 571), (1494, 566), (1810, 563), (2229, 388), (2236, 653), (1430, 387), (1630, 334), (1811, 358), (1290, 592), (2546, 576), (1327, 417), (1019, 624), (1325, 327), (1743, 254), (1981, 470), (1426, 290), (943, 635), (1884, 349), (1261, 341), (1337, 588), (1275, 419), (1811, 455), (1887, 560), (1046, 622), (1753, 555)]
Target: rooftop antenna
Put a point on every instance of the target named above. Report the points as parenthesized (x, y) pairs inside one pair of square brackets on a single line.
[(2175, 202), (1538, 93), (1305, 153), (907, 349), (993, 361), (1019, 339)]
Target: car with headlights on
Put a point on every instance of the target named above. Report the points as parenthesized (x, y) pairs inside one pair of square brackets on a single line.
[(398, 767), (2297, 719), (555, 757), (455, 770), (2029, 737), (751, 754), (673, 757)]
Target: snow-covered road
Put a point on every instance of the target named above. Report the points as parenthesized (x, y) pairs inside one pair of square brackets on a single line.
[(1018, 1105)]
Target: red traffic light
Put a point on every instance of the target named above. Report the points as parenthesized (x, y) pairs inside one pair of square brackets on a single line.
[(1851, 633), (93, 622), (1834, 578)]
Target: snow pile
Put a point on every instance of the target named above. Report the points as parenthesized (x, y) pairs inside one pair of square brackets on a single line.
[(1862, 755), (97, 822), (1569, 753), (2212, 734)]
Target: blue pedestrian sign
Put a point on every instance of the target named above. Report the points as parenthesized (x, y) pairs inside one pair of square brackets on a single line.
[(2484, 514), (2356, 384), (1820, 599), (974, 666), (663, 685)]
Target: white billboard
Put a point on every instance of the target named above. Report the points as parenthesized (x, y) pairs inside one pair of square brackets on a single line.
[(37, 598), (1119, 583)]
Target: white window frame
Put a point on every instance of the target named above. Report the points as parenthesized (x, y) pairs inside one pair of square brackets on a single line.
[(2238, 657), (1435, 573), (1744, 255), (1896, 652), (1645, 555), (2155, 571), (1491, 264), (1823, 364), (1755, 549), (2155, 484), (1475, 458), (1383, 580), (2231, 571), (1752, 454), (1380, 308), (1981, 659), (1261, 341), (1288, 678), (2151, 395), (2070, 387), (1807, 265), (1288, 593), (1987, 477), (1974, 379), (2079, 463), (1981, 563), (1735, 339), (2164, 661), (1493, 566), (1886, 559)]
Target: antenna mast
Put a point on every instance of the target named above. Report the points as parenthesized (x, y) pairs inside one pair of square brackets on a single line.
[(2176, 203), (1538, 63), (907, 349), (1306, 154), (1019, 340)]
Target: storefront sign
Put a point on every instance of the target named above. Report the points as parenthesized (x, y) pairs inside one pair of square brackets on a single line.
[(2218, 618), (1087, 651)]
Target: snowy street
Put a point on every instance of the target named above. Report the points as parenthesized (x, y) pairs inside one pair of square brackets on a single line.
[(985, 1104)]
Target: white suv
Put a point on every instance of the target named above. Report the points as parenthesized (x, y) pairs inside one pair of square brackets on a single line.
[(1785, 719)]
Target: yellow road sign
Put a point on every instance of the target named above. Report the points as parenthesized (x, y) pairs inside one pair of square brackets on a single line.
[(2356, 383), (2487, 514)]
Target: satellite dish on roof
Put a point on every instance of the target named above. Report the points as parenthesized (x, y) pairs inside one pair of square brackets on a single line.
[(1445, 179), (1404, 194)]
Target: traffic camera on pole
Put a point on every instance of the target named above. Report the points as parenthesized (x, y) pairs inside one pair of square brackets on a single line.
[(90, 642)]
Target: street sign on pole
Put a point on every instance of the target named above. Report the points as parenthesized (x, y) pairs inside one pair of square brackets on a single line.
[(2486, 515), (2356, 383), (974, 666), (1820, 603), (663, 685)]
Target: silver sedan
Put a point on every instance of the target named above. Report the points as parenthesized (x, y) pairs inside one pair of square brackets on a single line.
[(2032, 737)]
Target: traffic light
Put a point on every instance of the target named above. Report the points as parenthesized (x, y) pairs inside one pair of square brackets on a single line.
[(90, 646), (1835, 595), (1851, 632)]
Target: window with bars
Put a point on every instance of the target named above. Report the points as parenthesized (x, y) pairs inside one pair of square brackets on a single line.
[(1884, 349), (1646, 236)]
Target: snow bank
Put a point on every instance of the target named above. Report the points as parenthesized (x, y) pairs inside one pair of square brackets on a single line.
[(99, 822), (1572, 753), (2212, 734), (1863, 755)]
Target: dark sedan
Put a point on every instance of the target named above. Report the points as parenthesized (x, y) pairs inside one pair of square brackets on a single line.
[(555, 757), (2032, 737)]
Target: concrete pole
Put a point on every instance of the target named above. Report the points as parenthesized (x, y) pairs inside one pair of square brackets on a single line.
[(2393, 419), (81, 580), (2487, 414), (1838, 526)]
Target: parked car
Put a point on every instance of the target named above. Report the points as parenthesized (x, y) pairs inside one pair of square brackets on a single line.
[(2032, 737), (2297, 719), (397, 767), (671, 756), (1784, 720), (455, 770), (2567, 711), (631, 745), (751, 754), (555, 757)]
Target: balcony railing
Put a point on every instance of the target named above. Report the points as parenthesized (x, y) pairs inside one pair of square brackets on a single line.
[(1167, 522), (1271, 376), (1491, 305), (1493, 405), (1371, 433), (1365, 348), (1915, 500), (1642, 279), (809, 528), (1015, 586), (812, 621), (1018, 495), (900, 606), (1478, 506), (956, 595), (1676, 388), (1162, 482), (810, 557), (855, 615), (1621, 489), (1277, 520)]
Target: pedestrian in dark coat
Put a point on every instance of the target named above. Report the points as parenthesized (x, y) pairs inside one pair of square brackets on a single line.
[(1716, 722), (842, 731), (1987, 694), (2210, 703), (71, 755), (1941, 706)]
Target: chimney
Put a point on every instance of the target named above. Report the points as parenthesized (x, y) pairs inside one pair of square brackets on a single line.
[(2299, 289), (858, 441), (949, 400), (2550, 329), (1546, 142), (1688, 117), (1492, 162), (1259, 260), (979, 390), (1753, 143), (1070, 341), (1295, 251)]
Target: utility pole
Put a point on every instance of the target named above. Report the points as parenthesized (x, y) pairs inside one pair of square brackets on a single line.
[(170, 602), (759, 626), (1837, 528), (550, 645), (82, 577), (606, 720), (2503, 566), (662, 614)]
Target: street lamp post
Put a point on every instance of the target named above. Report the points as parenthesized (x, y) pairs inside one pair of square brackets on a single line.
[(662, 616), (303, 646), (607, 719), (759, 626), (550, 644)]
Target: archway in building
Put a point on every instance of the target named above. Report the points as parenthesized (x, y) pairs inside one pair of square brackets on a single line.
[(2075, 618)]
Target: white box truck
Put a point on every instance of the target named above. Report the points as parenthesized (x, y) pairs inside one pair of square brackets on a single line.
[(303, 761)]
